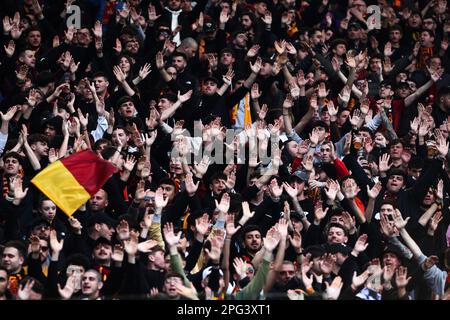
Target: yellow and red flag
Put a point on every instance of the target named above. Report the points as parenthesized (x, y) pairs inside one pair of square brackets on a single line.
[(70, 182)]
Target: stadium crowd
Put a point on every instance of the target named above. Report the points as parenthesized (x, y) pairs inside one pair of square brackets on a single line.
[(334, 184)]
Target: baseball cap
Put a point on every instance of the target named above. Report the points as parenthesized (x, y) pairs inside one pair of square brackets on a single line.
[(402, 84), (315, 251), (302, 175), (101, 218), (338, 248), (213, 79), (101, 240)]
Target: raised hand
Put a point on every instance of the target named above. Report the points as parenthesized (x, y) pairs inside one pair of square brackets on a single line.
[(118, 253), (246, 213), (202, 224), (275, 189), (282, 228), (271, 241), (356, 118), (130, 162), (152, 16), (69, 288), (7, 24), (442, 146), (383, 164), (255, 93), (231, 179), (75, 224), (358, 281), (256, 67), (307, 163), (224, 204), (224, 17), (229, 225), (228, 77), (267, 18), (216, 248), (387, 228), (322, 90), (10, 49), (144, 71), (440, 190), (55, 245), (191, 187), (375, 191), (22, 73), (434, 222), (280, 46), (201, 168), (332, 188), (401, 277), (361, 244), (333, 290), (241, 267), (344, 95), (130, 245), (253, 51), (399, 222), (388, 49), (147, 246), (262, 112), (160, 202), (9, 114), (296, 241), (415, 125), (24, 291), (291, 191), (319, 213), (118, 47)]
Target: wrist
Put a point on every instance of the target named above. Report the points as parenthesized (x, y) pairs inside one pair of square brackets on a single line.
[(173, 250)]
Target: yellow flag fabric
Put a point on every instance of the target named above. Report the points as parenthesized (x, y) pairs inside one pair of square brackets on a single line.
[(60, 186)]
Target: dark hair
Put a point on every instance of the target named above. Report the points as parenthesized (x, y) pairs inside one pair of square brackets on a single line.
[(78, 259), (431, 33), (167, 181), (217, 176), (99, 142), (398, 172), (108, 152), (397, 141), (249, 228), (396, 27), (123, 100), (390, 202), (100, 74), (180, 54), (173, 275), (13, 154), (37, 137), (337, 225), (416, 163), (19, 245), (44, 78), (273, 114)]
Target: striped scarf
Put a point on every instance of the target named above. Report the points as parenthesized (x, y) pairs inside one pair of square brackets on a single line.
[(292, 29), (6, 186)]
